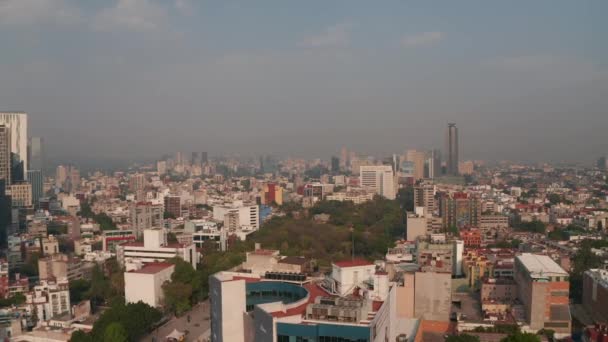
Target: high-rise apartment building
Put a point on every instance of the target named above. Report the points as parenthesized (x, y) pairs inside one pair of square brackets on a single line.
[(543, 289), (173, 205), (5, 154), (460, 210), (137, 182), (145, 215), (424, 196), (379, 178), (451, 149), (204, 158), (17, 123)]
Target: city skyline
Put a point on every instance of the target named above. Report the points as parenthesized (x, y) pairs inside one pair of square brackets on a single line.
[(281, 79)]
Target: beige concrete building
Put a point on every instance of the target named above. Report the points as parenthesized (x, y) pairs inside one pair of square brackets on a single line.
[(60, 266), (432, 296), (145, 284)]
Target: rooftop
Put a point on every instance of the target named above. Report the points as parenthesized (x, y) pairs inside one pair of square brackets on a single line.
[(153, 268), (293, 260), (353, 263), (540, 265)]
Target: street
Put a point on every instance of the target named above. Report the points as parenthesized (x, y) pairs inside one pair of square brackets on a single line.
[(198, 328)]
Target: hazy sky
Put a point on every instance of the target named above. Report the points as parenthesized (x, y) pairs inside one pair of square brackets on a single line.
[(137, 78)]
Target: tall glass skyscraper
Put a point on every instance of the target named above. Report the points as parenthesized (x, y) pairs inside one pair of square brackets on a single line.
[(37, 154), (451, 149), (36, 180)]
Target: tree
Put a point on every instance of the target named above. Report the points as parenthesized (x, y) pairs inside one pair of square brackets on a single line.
[(184, 289), (81, 336), (136, 319), (521, 337), (583, 260), (177, 297), (462, 338), (115, 332), (554, 198), (78, 290)]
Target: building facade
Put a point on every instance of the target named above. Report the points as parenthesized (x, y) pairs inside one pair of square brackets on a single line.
[(451, 148), (17, 123), (146, 284), (379, 178), (543, 288)]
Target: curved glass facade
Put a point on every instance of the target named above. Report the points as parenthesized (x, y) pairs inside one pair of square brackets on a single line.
[(270, 292)]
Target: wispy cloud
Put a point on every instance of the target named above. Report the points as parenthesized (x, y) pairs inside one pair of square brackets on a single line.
[(549, 67), (422, 39), (334, 36), (184, 6), (134, 15), (29, 12)]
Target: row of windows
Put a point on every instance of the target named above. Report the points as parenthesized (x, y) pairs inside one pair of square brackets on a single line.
[(285, 338)]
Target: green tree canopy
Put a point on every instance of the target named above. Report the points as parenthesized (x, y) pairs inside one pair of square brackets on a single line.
[(462, 338), (521, 337), (115, 332)]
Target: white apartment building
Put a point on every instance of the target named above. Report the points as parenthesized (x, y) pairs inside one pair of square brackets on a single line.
[(49, 299), (145, 284), (357, 196), (379, 178), (155, 248), (243, 216)]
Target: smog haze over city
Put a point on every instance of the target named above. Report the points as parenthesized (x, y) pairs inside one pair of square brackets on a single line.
[(133, 79), (303, 171)]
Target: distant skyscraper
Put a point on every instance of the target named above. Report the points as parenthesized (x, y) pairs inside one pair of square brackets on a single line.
[(416, 157), (195, 159), (61, 175), (5, 154), (451, 149), (17, 123), (35, 178), (433, 164), (344, 158), (602, 163), (179, 158), (335, 164), (36, 154), (204, 157)]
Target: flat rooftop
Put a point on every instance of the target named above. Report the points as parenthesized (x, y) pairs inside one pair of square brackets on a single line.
[(153, 268), (353, 263), (541, 265)]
